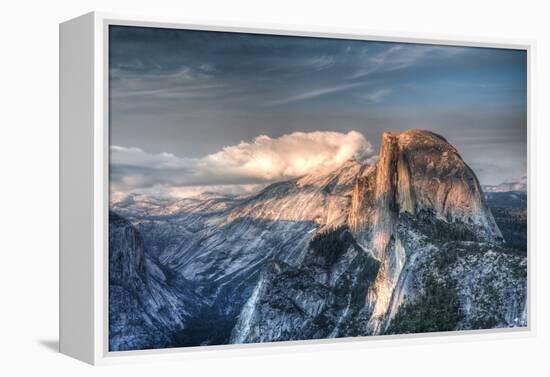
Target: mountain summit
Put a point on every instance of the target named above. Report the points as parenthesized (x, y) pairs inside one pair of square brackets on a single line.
[(518, 184), (419, 172), (407, 244)]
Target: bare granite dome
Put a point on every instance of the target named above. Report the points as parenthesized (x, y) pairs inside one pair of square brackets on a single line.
[(418, 174), (418, 171)]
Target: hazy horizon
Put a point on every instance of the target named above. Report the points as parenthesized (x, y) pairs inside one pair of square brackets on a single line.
[(194, 111)]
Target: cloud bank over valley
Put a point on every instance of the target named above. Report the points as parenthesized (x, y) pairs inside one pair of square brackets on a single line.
[(235, 168)]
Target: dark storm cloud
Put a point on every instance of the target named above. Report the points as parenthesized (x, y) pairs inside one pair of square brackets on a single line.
[(191, 93)]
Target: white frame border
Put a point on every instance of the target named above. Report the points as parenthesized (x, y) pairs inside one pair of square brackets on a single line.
[(101, 194)]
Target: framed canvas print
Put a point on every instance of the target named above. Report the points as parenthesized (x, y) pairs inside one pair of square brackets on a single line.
[(225, 187)]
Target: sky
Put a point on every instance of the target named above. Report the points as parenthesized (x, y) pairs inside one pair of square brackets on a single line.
[(194, 111)]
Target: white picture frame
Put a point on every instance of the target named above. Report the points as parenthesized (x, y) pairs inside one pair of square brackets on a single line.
[(84, 172)]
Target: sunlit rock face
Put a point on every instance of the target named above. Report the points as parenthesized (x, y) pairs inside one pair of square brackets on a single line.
[(362, 210), (365, 249), (436, 178), (420, 171), (417, 172)]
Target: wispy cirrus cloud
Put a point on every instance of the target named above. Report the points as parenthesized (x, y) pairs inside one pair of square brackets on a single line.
[(183, 83), (377, 95), (401, 56), (275, 80), (317, 92)]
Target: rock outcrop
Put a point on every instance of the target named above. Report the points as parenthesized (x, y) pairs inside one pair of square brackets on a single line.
[(146, 309), (417, 172)]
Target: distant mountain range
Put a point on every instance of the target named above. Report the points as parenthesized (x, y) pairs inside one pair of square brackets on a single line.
[(406, 245), (518, 184)]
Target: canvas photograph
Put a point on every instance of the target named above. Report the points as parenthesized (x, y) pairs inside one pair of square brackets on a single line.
[(267, 188)]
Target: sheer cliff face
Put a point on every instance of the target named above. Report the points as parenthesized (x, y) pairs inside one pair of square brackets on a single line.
[(126, 258), (417, 172), (146, 310)]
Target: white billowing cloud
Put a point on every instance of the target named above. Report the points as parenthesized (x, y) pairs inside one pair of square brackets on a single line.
[(290, 155), (261, 160)]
